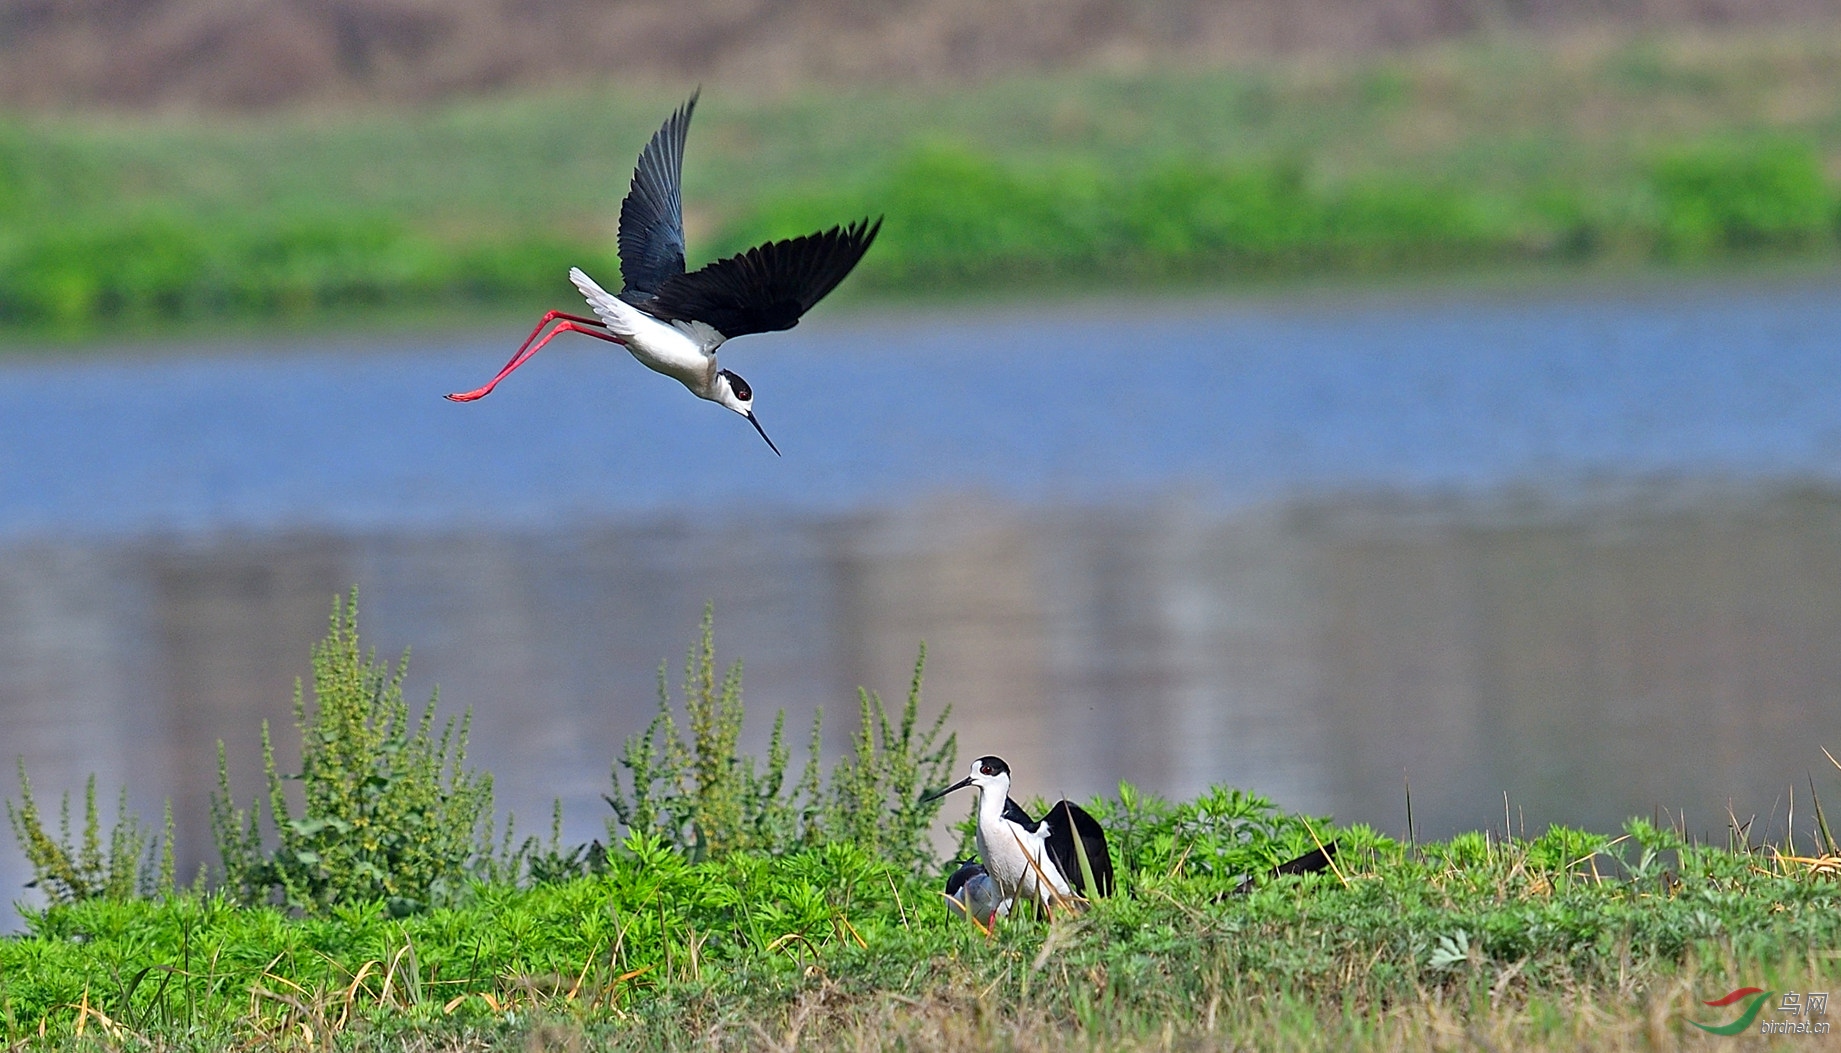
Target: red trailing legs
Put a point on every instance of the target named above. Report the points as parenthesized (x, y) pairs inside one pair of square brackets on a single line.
[(571, 323)]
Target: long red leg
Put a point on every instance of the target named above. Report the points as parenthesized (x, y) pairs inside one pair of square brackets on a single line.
[(571, 323)]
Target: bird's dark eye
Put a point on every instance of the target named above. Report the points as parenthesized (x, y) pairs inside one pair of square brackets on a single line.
[(988, 769), (741, 388)]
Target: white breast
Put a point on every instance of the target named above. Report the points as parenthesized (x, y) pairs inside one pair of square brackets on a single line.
[(1008, 850), (668, 349)]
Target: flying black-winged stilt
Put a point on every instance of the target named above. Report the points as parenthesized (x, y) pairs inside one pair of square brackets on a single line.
[(1036, 859), (673, 322)]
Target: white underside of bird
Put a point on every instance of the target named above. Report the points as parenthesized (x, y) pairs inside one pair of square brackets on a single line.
[(683, 351), (1015, 858)]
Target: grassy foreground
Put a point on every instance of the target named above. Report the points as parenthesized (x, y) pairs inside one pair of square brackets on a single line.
[(371, 908), (1458, 945), (1579, 151)]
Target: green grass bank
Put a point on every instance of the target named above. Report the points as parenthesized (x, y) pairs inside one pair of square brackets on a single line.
[(1625, 151), (366, 903)]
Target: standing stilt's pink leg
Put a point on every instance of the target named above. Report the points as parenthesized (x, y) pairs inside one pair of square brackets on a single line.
[(571, 323)]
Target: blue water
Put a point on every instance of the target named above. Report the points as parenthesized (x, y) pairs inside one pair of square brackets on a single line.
[(1233, 401)]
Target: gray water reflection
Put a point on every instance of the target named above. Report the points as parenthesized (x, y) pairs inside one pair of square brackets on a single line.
[(1593, 657)]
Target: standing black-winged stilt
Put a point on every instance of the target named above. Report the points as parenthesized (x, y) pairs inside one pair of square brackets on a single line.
[(1039, 860), (673, 322)]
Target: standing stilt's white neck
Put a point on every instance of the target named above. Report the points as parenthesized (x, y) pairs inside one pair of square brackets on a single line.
[(1003, 857), (991, 804)]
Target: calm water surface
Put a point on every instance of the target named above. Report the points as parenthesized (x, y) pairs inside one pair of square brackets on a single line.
[(1580, 549)]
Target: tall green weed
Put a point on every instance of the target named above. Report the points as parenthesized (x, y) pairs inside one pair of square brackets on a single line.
[(876, 797), (699, 795), (69, 870), (389, 811)]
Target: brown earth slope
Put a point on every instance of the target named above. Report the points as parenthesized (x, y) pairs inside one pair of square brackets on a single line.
[(257, 54)]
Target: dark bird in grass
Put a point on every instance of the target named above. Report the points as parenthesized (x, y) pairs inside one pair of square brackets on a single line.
[(971, 893), (1317, 859), (673, 322), (1039, 860)]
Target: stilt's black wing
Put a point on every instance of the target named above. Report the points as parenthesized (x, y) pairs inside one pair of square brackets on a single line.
[(1309, 863), (766, 288), (1014, 812), (652, 216), (1067, 822)]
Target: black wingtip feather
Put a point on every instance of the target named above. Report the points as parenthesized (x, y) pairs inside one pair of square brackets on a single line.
[(768, 287)]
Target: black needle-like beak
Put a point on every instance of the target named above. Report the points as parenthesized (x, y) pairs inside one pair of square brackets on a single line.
[(962, 783), (763, 431)]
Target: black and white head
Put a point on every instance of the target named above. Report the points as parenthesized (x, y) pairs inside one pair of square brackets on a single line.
[(732, 391), (988, 775)]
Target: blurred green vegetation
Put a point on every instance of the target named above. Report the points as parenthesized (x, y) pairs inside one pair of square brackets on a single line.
[(1638, 152), (956, 218)]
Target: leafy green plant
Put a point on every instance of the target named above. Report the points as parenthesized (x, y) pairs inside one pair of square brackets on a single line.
[(548, 863), (390, 812), (1222, 834), (702, 797), (875, 798), (1562, 849), (1473, 849), (70, 871)]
